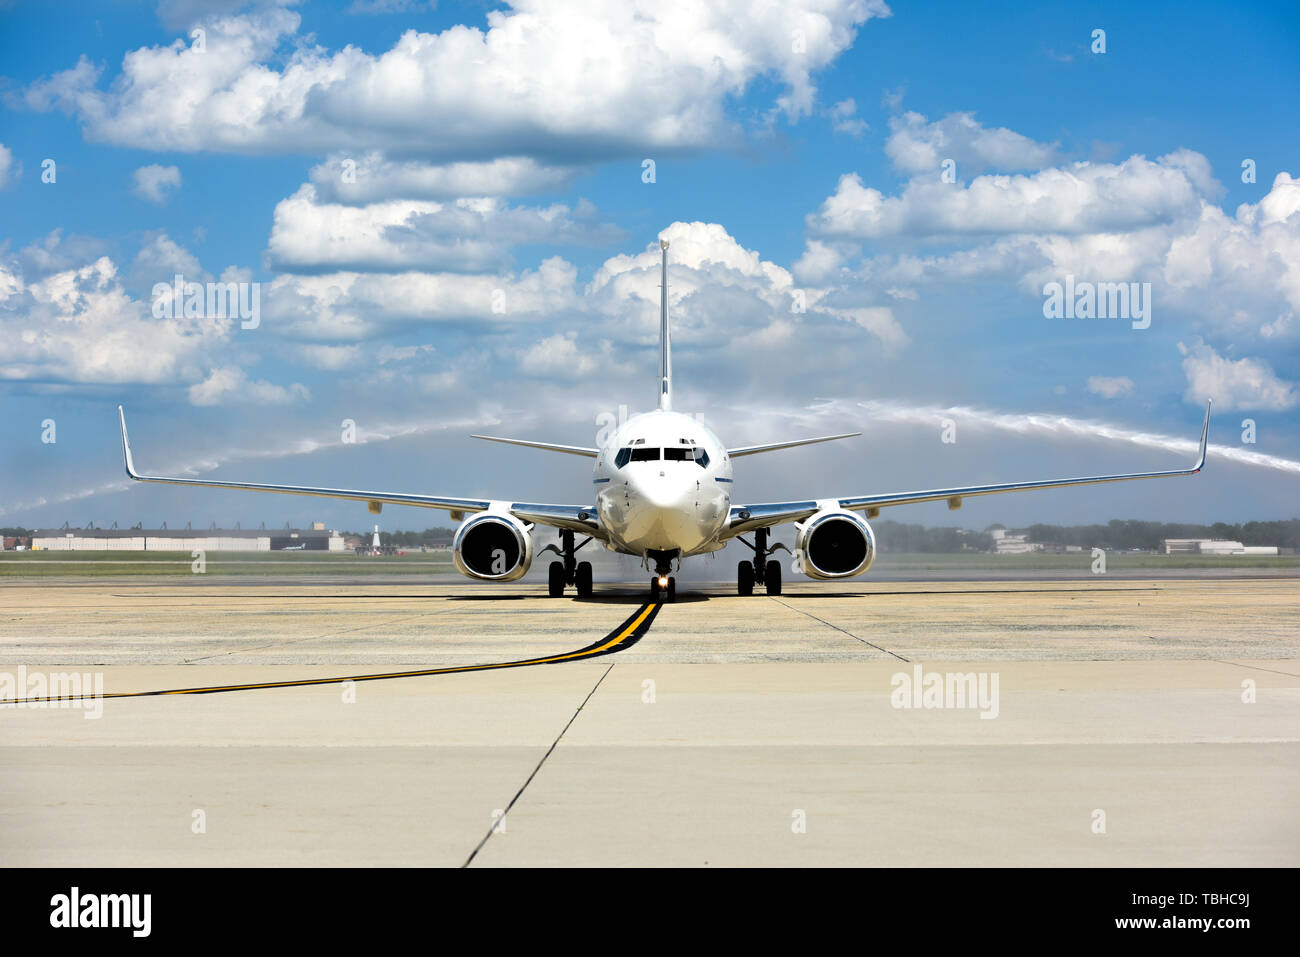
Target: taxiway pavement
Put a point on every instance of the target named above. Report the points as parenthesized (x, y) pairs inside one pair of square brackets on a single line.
[(1138, 722)]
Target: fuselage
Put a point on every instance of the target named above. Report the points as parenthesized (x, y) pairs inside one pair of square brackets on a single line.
[(663, 483)]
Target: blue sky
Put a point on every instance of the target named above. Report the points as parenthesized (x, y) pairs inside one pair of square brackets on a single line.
[(502, 148)]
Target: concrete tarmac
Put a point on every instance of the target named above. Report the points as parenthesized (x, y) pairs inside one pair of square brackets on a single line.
[(1129, 722)]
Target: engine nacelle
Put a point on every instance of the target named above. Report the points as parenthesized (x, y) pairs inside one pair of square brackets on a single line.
[(834, 543), (493, 547)]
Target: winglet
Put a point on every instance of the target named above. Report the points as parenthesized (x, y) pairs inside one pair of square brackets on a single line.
[(1205, 436), (126, 447)]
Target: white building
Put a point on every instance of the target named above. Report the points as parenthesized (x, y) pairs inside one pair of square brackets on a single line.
[(185, 540), (1008, 543), (1211, 546)]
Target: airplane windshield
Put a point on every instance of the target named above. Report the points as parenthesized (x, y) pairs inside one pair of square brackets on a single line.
[(646, 454), (694, 454)]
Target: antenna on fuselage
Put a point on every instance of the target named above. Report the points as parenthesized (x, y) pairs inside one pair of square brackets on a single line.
[(665, 349)]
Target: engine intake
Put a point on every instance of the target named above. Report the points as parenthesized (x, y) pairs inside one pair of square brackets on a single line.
[(492, 547), (835, 543)]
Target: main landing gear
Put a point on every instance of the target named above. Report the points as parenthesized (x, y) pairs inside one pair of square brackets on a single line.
[(568, 571), (761, 571), (663, 587)]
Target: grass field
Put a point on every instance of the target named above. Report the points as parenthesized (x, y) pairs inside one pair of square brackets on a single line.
[(1118, 561), (126, 563), (270, 564)]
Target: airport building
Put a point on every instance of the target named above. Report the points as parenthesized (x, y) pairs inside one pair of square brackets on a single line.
[(185, 540), (1006, 542), (1209, 546)]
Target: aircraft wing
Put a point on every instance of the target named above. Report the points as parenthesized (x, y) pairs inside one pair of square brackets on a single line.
[(549, 446), (745, 518), (579, 518), (773, 446)]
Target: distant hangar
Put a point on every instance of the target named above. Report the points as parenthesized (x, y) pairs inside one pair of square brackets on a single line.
[(186, 540)]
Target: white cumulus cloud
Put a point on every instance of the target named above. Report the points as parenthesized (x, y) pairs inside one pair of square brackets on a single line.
[(916, 145), (545, 77), (229, 384), (1081, 198), (1246, 383), (155, 183), (81, 326), (464, 235), (7, 167), (844, 118)]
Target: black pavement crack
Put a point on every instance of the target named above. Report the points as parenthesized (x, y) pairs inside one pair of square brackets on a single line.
[(838, 628), (1239, 664), (549, 751)]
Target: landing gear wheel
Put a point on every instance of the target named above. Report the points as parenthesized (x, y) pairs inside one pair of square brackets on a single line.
[(555, 580), (654, 589), (672, 590), (582, 579), (745, 578), (772, 578)]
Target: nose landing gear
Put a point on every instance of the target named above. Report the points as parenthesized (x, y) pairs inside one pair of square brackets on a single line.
[(761, 571), (663, 587), (568, 571)]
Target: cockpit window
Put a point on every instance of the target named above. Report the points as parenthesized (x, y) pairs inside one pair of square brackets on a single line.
[(643, 454), (696, 455)]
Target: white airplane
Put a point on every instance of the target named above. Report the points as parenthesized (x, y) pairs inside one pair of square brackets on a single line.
[(663, 492)]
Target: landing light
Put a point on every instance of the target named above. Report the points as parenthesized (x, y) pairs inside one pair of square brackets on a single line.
[(663, 581)]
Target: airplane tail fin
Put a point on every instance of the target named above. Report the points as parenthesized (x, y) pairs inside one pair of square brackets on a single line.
[(665, 348)]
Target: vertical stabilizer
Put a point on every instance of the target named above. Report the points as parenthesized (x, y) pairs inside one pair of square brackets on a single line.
[(665, 347)]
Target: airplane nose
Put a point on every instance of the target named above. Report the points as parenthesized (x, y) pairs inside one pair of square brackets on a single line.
[(660, 496), (660, 490), (661, 513)]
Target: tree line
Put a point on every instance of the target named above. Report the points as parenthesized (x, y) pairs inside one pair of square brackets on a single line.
[(902, 537), (411, 539), (1134, 533), (1118, 534)]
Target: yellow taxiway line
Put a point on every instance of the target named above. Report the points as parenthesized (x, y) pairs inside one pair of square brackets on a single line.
[(624, 636)]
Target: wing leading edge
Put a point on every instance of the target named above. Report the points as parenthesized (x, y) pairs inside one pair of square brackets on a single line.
[(773, 446), (745, 518), (548, 446)]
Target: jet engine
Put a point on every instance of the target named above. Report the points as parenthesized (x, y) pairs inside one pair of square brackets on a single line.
[(834, 543), (493, 547)]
